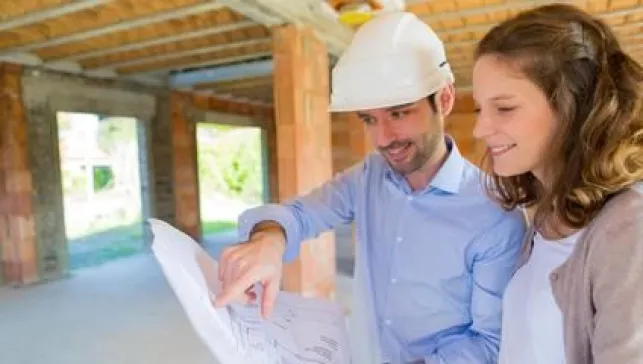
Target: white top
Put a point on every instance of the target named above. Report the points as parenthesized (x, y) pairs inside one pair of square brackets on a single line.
[(532, 326)]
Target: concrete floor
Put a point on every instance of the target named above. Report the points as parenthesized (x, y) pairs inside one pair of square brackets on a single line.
[(121, 312)]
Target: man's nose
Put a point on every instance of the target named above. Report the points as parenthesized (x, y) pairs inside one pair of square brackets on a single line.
[(385, 134)]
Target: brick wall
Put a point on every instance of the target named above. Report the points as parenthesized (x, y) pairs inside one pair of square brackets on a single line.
[(33, 245), (162, 158), (176, 185), (186, 183), (18, 242)]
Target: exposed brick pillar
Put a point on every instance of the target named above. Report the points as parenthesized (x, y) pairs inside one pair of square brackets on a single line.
[(185, 176), (303, 132), (18, 242), (161, 170)]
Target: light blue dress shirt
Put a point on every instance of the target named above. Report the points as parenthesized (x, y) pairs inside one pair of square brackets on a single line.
[(440, 258)]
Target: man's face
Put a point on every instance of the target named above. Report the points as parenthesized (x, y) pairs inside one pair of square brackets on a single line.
[(406, 135)]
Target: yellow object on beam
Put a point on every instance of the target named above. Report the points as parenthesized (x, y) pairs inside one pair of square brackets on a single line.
[(355, 12), (355, 18)]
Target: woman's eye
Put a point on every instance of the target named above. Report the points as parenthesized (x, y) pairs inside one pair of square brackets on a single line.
[(506, 109)]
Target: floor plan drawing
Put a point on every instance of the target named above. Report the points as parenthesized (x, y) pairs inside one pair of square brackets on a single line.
[(299, 331)]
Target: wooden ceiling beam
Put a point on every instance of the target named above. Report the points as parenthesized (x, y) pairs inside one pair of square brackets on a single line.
[(225, 73), (115, 27), (159, 41), (49, 13), (211, 63), (243, 83), (192, 52), (308, 12)]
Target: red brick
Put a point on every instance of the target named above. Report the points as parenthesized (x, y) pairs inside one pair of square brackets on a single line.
[(19, 258), (185, 174), (18, 181)]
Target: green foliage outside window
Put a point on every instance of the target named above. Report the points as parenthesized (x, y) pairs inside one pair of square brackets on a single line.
[(230, 161)]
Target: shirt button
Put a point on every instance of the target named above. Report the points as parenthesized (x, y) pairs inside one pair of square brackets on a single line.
[(394, 280), (388, 322), (410, 198), (399, 239)]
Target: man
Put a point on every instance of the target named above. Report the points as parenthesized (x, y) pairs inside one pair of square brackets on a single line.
[(434, 254)]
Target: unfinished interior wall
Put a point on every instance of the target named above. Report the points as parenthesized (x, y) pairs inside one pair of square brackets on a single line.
[(34, 243), (45, 94), (18, 237), (185, 111)]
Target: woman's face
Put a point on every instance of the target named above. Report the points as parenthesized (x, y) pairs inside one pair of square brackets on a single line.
[(514, 118)]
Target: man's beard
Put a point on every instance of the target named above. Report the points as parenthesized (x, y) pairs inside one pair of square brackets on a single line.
[(424, 149)]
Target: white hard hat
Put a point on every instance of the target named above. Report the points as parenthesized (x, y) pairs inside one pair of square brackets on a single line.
[(393, 59)]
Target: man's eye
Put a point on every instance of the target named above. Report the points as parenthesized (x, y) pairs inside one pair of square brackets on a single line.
[(399, 113), (368, 119)]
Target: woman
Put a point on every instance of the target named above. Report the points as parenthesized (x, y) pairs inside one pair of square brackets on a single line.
[(560, 109)]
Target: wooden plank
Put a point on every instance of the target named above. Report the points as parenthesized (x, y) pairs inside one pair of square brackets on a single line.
[(178, 54), (162, 71), (236, 84), (175, 49), (177, 63), (92, 22), (48, 13), (129, 38), (10, 9)]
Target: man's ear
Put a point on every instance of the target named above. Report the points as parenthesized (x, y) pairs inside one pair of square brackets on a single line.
[(446, 99)]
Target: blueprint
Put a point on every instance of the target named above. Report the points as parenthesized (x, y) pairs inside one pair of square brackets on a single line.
[(300, 330)]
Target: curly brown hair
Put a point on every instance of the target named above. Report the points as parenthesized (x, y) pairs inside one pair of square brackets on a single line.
[(596, 91)]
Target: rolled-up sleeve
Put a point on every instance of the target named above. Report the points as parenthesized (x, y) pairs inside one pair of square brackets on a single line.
[(305, 217)]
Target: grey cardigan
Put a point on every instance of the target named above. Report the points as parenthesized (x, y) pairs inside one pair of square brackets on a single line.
[(599, 289)]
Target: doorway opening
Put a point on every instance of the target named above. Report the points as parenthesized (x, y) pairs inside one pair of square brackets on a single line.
[(101, 178), (232, 175)]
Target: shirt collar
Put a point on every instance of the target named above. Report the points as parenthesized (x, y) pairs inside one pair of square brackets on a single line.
[(449, 176)]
